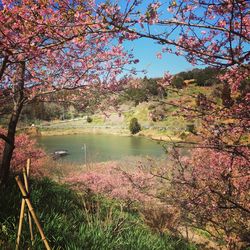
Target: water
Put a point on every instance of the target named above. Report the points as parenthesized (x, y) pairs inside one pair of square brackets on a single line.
[(100, 147)]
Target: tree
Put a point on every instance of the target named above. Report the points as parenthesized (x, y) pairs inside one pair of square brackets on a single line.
[(151, 86), (134, 126), (49, 46), (215, 33), (137, 95), (178, 82)]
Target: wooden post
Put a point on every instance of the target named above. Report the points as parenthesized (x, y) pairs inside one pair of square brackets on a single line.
[(32, 212)]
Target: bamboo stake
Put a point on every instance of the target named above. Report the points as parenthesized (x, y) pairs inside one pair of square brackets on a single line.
[(26, 176), (20, 224), (28, 168), (33, 214)]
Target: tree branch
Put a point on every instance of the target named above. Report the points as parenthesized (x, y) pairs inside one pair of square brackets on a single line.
[(3, 67), (6, 139)]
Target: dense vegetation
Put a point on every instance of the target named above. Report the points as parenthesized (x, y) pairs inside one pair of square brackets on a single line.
[(202, 77), (78, 221), (142, 90), (51, 51)]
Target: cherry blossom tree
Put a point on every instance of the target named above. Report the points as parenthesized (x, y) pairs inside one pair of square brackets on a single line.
[(208, 31), (48, 46), (212, 184)]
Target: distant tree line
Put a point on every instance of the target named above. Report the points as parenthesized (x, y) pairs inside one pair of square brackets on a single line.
[(146, 89), (201, 77), (48, 111)]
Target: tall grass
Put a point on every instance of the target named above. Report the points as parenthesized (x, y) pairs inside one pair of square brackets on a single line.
[(77, 221)]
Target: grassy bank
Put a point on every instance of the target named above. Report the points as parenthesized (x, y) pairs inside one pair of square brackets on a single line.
[(87, 130), (148, 133), (77, 221), (71, 127)]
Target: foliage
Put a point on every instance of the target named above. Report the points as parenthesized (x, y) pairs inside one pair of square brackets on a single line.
[(134, 126), (178, 82), (213, 182), (89, 119), (142, 90), (137, 95), (153, 87), (77, 221), (207, 190), (150, 85), (41, 111), (115, 183), (25, 148), (186, 75), (215, 193), (202, 77), (47, 49), (206, 77)]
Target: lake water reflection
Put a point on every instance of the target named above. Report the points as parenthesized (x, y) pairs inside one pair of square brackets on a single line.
[(100, 147)]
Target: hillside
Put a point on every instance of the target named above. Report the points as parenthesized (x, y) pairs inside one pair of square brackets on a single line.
[(159, 118), (158, 109)]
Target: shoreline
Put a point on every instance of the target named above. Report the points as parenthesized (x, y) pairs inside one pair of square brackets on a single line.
[(110, 131)]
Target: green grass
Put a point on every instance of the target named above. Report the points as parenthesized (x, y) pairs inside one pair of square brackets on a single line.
[(77, 221)]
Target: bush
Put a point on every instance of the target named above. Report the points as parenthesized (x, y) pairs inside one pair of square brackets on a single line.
[(151, 86), (134, 126), (151, 107), (190, 128), (25, 148), (137, 95), (178, 82), (89, 119)]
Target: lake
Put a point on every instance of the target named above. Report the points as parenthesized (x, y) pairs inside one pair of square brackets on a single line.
[(98, 148)]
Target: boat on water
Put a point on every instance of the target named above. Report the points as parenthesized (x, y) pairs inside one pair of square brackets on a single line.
[(59, 153)]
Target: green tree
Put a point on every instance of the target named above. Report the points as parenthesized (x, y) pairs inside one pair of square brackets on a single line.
[(137, 95), (178, 82), (134, 126)]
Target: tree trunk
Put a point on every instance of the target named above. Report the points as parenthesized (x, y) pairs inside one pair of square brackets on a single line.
[(18, 100)]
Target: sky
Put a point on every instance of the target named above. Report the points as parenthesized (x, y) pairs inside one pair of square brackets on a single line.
[(145, 50)]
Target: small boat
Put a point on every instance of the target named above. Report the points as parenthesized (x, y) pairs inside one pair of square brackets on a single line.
[(60, 153)]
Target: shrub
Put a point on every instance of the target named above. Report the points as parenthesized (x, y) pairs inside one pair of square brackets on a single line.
[(137, 95), (89, 119), (190, 128), (178, 82), (151, 107), (151, 86), (211, 187), (25, 148), (134, 126)]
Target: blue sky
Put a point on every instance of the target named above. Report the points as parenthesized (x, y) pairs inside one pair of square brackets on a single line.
[(145, 50)]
